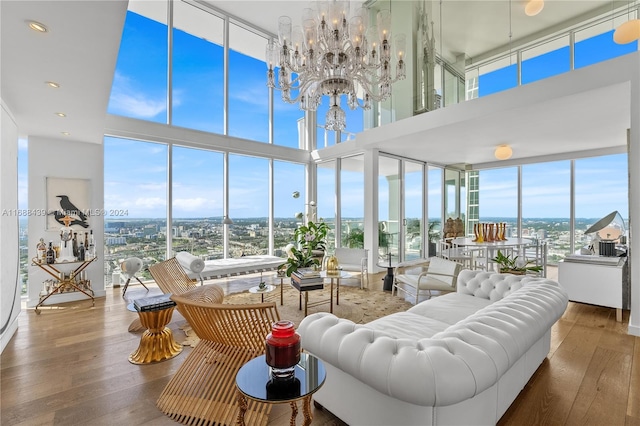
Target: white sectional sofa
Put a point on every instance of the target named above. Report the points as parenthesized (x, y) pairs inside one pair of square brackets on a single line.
[(461, 358)]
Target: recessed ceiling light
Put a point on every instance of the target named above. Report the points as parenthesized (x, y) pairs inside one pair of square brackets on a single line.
[(52, 84), (65, 133), (61, 114), (37, 26)]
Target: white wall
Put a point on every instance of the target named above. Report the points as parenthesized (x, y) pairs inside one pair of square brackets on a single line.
[(64, 159), (9, 247)]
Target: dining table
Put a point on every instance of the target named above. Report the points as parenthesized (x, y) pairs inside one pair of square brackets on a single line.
[(489, 249)]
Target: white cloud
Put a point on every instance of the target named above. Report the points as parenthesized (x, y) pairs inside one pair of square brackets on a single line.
[(192, 204), (130, 101), (22, 145), (150, 202)]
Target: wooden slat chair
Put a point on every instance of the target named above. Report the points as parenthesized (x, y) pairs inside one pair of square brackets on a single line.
[(203, 390), (171, 277)]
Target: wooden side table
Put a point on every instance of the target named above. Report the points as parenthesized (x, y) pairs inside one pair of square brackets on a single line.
[(156, 344)]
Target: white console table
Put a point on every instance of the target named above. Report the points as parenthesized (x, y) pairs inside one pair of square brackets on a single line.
[(594, 283)]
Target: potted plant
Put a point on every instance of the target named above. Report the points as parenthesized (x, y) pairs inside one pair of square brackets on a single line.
[(511, 265), (311, 242), (355, 238), (434, 236)]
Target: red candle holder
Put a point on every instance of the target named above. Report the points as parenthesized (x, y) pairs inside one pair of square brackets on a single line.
[(282, 349)]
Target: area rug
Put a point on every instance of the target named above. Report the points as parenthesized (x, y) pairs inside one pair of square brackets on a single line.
[(357, 305)]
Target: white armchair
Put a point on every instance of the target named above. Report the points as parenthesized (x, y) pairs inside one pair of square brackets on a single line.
[(354, 260), (425, 275)]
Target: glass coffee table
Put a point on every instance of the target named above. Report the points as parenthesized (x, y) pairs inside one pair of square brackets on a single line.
[(262, 291), (254, 382)]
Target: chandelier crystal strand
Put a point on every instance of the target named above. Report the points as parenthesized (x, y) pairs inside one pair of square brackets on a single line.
[(335, 53)]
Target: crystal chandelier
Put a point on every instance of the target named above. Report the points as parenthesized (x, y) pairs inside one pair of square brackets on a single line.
[(333, 54)]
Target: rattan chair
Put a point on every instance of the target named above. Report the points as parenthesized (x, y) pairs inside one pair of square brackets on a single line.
[(203, 390)]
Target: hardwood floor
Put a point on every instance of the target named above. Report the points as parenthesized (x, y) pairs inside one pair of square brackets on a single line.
[(68, 366)]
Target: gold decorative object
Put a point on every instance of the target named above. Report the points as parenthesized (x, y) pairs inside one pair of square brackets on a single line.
[(156, 344), (331, 265)]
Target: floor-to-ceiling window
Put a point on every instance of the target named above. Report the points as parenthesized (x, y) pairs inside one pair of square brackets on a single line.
[(197, 67), (135, 203), (601, 187), (23, 220), (326, 202), (248, 92), (351, 195), (197, 194), (289, 202), (498, 198), (389, 215), (434, 203), (546, 206), (413, 210), (248, 205), (139, 87)]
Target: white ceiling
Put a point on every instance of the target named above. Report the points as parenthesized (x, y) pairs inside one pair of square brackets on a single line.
[(80, 52)]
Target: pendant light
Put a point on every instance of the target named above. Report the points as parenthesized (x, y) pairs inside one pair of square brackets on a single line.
[(628, 31), (503, 152), (533, 7)]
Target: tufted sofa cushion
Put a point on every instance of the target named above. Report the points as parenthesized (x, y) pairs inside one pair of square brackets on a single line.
[(492, 286), (454, 364)]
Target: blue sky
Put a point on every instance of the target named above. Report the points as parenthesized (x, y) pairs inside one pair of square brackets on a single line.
[(139, 186)]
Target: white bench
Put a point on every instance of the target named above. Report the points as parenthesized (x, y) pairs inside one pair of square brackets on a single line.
[(354, 260)]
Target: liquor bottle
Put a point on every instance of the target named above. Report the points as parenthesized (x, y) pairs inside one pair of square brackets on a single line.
[(81, 252), (87, 255), (92, 245), (41, 249), (51, 254), (75, 245)]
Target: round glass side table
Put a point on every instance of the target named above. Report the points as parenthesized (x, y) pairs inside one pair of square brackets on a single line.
[(254, 381)]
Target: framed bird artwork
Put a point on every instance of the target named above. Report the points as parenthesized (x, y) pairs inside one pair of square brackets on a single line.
[(68, 197)]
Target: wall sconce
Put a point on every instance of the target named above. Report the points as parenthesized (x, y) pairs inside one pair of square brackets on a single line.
[(533, 7), (503, 152)]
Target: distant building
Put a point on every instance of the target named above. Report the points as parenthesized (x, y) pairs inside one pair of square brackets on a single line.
[(116, 241)]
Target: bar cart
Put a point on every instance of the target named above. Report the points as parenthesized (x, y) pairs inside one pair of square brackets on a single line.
[(65, 281)]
